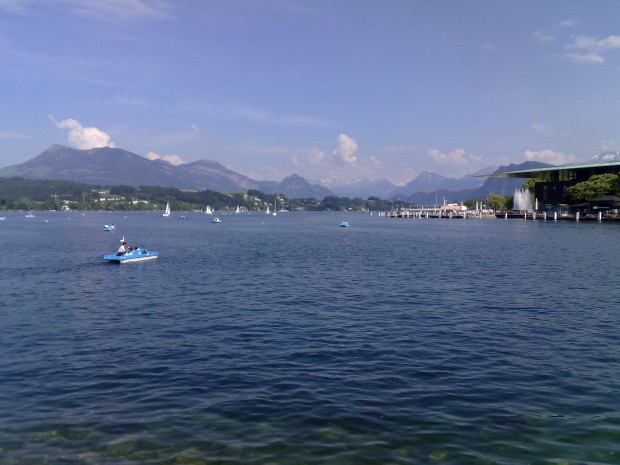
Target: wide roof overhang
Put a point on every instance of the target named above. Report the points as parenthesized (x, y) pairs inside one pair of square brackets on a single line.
[(540, 172)]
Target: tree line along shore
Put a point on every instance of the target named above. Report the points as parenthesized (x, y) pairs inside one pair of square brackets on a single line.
[(31, 194)]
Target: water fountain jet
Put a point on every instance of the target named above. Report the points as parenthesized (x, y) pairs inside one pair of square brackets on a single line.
[(523, 200)]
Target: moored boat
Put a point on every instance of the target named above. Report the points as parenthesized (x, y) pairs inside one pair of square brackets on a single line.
[(344, 224)]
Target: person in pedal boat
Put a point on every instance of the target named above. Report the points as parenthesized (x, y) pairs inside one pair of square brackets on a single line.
[(122, 250)]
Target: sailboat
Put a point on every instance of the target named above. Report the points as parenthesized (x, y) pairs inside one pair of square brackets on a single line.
[(275, 206), (167, 212), (208, 210), (238, 210), (267, 211)]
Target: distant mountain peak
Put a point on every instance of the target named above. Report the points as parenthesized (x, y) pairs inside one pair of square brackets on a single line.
[(109, 166), (56, 148)]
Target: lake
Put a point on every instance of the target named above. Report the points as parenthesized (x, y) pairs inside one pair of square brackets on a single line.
[(289, 340)]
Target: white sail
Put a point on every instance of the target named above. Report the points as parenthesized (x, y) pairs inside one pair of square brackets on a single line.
[(238, 210), (167, 212), (208, 210), (267, 211), (275, 206)]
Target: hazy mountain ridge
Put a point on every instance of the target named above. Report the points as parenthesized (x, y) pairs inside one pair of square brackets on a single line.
[(364, 188), (108, 166), (295, 187), (497, 185), (425, 182), (113, 166)]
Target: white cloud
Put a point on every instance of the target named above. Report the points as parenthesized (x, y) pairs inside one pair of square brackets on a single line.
[(546, 36), (586, 58), (172, 159), (542, 36), (316, 156), (590, 43), (589, 50), (566, 23), (549, 156), (342, 165), (457, 162), (345, 151), (81, 137)]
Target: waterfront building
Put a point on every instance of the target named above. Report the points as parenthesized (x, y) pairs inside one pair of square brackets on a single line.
[(550, 191)]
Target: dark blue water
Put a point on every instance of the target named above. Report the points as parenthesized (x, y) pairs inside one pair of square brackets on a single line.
[(289, 340)]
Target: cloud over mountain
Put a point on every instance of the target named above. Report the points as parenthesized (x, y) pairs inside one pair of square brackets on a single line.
[(455, 161), (345, 150), (81, 137), (172, 159), (550, 156)]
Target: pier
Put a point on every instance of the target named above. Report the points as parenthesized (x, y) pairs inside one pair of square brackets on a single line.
[(439, 211)]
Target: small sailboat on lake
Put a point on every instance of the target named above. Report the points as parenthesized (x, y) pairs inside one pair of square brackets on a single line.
[(167, 211)]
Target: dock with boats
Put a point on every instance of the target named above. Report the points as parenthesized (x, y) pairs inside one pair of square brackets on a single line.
[(447, 211)]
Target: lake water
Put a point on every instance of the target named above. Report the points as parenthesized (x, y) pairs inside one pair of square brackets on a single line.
[(289, 340)]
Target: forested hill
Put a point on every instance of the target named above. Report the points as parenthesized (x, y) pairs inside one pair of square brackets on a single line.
[(30, 194)]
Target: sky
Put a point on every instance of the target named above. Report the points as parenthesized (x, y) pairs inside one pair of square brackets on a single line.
[(334, 91)]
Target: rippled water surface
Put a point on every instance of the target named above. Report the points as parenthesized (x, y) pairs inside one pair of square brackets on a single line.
[(289, 340)]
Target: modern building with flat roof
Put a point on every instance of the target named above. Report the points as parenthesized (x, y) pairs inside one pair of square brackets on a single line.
[(550, 191)]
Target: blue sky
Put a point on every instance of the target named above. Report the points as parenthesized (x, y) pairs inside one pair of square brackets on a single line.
[(331, 90)]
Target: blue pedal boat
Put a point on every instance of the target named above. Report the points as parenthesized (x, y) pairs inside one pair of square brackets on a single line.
[(138, 255)]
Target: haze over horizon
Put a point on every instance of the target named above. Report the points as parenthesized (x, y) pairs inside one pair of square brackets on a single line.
[(335, 91)]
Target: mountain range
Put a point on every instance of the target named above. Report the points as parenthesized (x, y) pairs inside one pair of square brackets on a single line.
[(491, 184), (108, 166)]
